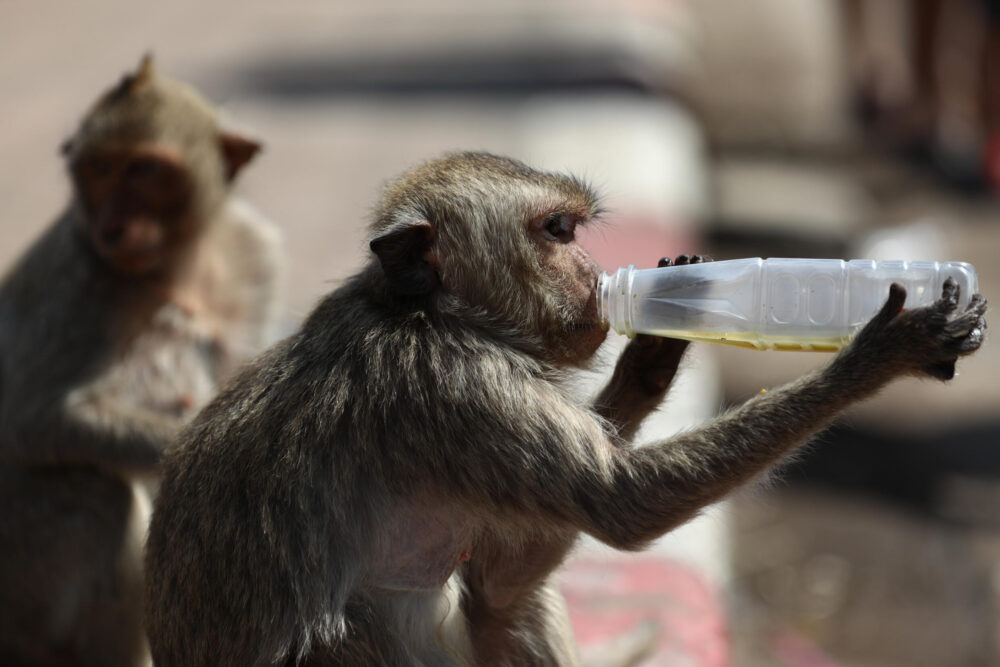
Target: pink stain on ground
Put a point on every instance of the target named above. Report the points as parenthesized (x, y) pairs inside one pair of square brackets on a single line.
[(791, 649), (610, 596)]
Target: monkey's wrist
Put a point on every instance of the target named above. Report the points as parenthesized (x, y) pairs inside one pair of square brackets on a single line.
[(854, 369)]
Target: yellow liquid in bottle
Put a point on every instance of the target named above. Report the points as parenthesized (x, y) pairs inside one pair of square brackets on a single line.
[(755, 341)]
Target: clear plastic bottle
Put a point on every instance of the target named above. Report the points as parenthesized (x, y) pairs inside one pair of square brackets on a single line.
[(777, 303)]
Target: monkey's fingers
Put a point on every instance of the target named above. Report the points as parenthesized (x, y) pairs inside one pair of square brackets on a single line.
[(893, 306), (948, 302), (966, 332), (681, 260)]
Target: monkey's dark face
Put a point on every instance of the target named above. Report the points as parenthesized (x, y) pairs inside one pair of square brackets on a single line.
[(138, 204)]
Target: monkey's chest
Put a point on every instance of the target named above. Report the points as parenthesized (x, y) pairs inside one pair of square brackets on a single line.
[(173, 366), (420, 547)]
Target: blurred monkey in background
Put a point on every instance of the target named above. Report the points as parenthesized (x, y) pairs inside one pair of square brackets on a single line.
[(116, 326)]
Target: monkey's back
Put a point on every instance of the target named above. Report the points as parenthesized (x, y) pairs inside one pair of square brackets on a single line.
[(256, 577)]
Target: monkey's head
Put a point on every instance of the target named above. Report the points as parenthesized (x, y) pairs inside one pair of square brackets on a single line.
[(493, 241), (150, 165)]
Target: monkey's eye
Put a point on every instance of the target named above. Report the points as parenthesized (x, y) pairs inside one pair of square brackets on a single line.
[(559, 227), (95, 167), (144, 169)]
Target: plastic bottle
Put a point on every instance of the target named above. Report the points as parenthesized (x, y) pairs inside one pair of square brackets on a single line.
[(777, 303)]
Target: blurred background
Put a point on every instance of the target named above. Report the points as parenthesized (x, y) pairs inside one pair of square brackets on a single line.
[(812, 128)]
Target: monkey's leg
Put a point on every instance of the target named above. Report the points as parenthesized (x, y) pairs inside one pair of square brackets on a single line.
[(533, 629), (511, 606), (62, 573), (90, 429), (369, 640), (111, 632)]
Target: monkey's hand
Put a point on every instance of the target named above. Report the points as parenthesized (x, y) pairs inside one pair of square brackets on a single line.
[(650, 362), (644, 372), (93, 429), (920, 341)]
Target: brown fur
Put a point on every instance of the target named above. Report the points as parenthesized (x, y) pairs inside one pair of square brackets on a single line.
[(394, 483), (115, 328)]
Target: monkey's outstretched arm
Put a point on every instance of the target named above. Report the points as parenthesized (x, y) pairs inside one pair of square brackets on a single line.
[(628, 497), (87, 428)]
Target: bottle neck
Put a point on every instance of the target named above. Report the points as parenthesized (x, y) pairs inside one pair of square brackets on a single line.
[(613, 297), (603, 287)]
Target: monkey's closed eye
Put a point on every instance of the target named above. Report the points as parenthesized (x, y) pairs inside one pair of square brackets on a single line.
[(95, 167), (559, 227), (144, 169)]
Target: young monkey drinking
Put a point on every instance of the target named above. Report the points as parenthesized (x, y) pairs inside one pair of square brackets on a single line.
[(395, 483)]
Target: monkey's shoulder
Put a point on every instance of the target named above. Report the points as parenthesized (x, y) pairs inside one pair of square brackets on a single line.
[(53, 304), (252, 242), (239, 277), (56, 263)]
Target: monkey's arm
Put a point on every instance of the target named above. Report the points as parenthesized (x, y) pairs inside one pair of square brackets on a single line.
[(559, 468), (86, 428), (643, 374)]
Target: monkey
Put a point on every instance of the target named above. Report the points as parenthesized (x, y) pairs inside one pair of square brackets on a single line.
[(395, 482), (116, 326)]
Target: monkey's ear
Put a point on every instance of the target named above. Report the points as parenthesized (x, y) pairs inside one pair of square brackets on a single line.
[(145, 72), (406, 258), (237, 151), (135, 81)]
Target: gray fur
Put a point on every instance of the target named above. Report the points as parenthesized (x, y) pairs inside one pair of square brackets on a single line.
[(98, 373), (313, 511)]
